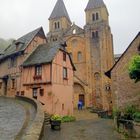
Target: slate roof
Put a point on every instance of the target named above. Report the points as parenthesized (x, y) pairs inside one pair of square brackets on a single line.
[(44, 54), (59, 11), (78, 30), (20, 44), (94, 4)]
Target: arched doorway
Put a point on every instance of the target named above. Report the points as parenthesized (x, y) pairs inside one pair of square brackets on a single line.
[(79, 94)]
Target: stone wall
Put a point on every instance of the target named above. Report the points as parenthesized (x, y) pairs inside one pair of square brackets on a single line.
[(125, 90), (35, 130)]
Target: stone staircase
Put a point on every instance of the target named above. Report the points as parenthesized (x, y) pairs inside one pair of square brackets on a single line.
[(46, 119)]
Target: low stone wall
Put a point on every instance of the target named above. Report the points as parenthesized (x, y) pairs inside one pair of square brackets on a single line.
[(132, 131), (35, 130)]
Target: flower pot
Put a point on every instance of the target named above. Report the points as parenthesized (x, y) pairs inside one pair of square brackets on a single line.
[(55, 124)]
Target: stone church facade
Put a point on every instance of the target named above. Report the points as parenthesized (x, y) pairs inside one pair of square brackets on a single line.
[(91, 49)]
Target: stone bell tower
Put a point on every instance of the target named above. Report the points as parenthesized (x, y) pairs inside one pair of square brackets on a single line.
[(100, 52), (59, 22)]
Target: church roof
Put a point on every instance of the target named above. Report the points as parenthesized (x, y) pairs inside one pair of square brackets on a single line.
[(59, 11), (94, 4)]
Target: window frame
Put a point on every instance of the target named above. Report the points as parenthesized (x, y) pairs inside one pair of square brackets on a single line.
[(34, 93), (79, 56), (38, 70), (65, 73)]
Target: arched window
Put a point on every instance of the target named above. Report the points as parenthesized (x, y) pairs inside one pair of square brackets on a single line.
[(79, 56), (74, 43), (97, 75), (97, 16), (55, 25), (93, 17), (74, 31), (95, 34)]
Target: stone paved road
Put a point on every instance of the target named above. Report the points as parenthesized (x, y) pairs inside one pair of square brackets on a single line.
[(87, 127), (13, 114), (12, 117)]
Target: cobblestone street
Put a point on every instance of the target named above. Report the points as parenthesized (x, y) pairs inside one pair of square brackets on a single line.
[(87, 127)]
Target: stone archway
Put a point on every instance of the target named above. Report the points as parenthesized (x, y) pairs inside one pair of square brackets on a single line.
[(79, 94)]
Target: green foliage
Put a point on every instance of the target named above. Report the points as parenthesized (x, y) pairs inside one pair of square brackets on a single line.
[(56, 118), (134, 68), (136, 116), (68, 119), (116, 112)]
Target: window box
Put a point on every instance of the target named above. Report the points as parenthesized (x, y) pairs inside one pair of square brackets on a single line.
[(37, 77)]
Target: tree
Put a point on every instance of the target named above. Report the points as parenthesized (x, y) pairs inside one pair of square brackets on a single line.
[(134, 68)]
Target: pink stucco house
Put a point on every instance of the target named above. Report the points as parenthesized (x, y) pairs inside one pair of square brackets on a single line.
[(47, 75), (31, 67)]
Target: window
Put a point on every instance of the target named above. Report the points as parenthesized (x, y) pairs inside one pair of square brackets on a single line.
[(64, 56), (22, 93), (63, 107), (97, 76), (13, 62), (93, 17), (41, 92), (38, 70), (74, 31), (74, 43), (95, 34), (79, 57), (35, 93), (65, 73), (56, 25), (97, 16), (13, 83)]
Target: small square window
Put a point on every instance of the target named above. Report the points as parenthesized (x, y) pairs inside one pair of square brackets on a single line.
[(38, 70)]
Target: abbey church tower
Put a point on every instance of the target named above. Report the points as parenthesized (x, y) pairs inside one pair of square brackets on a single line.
[(99, 41), (59, 22), (91, 49)]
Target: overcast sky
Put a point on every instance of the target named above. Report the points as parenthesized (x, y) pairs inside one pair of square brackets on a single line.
[(18, 17)]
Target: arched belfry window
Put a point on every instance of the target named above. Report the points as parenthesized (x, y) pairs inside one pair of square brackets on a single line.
[(95, 34), (56, 25), (95, 16)]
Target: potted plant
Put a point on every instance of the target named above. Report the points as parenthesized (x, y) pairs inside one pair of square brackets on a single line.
[(55, 122)]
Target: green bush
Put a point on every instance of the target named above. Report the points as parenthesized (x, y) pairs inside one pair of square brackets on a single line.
[(116, 112), (129, 111), (134, 68), (68, 119), (136, 116)]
